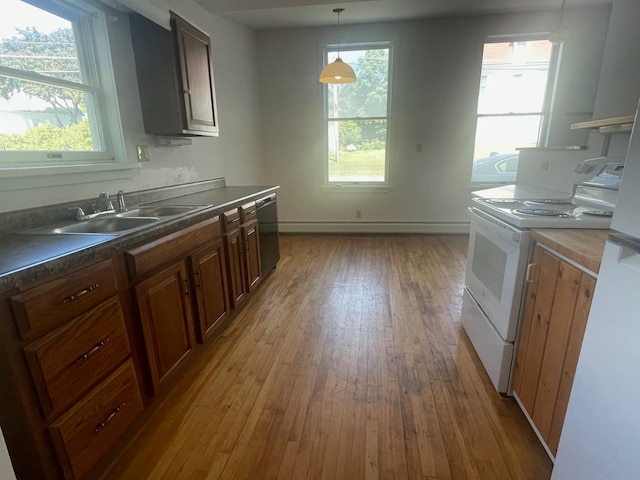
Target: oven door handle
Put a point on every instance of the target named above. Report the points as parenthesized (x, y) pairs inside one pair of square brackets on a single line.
[(505, 230)]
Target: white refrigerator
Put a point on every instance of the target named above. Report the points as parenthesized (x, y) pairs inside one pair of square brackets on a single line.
[(601, 434)]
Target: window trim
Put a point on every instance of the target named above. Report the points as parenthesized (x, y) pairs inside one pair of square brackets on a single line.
[(357, 185), (550, 88), (94, 52)]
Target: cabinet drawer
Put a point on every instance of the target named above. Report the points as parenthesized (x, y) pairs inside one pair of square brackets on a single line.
[(67, 362), (41, 309), (83, 434), (248, 212), (231, 220), (166, 250)]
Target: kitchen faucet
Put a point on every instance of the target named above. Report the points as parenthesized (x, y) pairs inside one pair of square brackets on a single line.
[(102, 206)]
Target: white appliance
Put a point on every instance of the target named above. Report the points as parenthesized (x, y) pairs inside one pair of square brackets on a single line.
[(6, 469), (499, 250), (601, 433)]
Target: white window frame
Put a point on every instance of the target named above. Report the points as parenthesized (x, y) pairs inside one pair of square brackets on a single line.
[(547, 105), (95, 58), (327, 49)]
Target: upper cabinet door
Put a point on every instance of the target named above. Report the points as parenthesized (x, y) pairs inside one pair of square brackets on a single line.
[(194, 51), (175, 78)]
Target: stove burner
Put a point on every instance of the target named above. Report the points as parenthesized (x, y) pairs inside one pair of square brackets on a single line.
[(599, 213), (542, 212), (549, 201)]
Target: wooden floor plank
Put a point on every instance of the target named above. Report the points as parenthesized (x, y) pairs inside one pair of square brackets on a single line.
[(348, 363)]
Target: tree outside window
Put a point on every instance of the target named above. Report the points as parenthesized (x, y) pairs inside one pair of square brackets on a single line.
[(50, 94)]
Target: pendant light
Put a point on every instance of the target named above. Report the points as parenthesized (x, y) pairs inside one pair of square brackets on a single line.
[(338, 71), (559, 34)]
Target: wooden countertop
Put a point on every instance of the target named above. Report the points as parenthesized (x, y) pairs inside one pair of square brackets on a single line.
[(584, 247)]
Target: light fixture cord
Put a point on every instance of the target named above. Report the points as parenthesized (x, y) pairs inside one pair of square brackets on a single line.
[(338, 11), (562, 5)]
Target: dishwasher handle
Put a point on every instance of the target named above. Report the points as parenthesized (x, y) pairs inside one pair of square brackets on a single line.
[(264, 201)]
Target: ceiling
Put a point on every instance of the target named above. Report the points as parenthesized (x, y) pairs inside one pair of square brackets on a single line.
[(263, 14)]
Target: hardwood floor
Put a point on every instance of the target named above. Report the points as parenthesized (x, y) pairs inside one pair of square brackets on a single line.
[(348, 363)]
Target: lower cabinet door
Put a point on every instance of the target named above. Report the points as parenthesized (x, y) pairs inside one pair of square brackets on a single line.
[(210, 279), (251, 242), (235, 267), (86, 431), (165, 314)]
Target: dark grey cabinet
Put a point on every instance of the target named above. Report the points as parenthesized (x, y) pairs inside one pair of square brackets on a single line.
[(175, 78)]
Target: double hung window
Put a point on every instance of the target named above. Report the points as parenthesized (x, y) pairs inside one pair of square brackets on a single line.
[(513, 104), (56, 85), (356, 117)]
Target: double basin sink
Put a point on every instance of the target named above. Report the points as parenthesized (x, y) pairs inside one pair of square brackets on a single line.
[(120, 223)]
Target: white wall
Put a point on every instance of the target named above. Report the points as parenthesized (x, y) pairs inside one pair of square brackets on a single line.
[(235, 154), (619, 85), (434, 103)]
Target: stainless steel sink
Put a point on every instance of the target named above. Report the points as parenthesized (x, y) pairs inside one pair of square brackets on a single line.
[(105, 225), (158, 211)]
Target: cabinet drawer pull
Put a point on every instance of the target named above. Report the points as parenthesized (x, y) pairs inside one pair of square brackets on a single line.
[(234, 220), (196, 277), (251, 212), (111, 416), (71, 298), (187, 292), (91, 351)]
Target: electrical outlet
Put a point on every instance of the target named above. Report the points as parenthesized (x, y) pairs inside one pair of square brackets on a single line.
[(419, 148), (544, 166), (358, 213), (143, 153)]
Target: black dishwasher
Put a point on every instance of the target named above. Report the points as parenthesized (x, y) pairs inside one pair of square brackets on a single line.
[(267, 211)]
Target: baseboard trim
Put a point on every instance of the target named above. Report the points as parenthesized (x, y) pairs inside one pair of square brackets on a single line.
[(374, 227)]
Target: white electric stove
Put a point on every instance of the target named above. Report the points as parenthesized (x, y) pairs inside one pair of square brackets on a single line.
[(590, 206), (499, 250)]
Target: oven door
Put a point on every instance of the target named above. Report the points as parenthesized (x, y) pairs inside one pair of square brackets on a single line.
[(496, 265)]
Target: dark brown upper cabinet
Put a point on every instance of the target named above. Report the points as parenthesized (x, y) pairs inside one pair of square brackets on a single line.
[(175, 78)]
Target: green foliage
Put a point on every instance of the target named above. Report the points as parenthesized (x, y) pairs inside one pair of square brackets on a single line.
[(365, 98), (76, 137), (359, 164), (51, 54)]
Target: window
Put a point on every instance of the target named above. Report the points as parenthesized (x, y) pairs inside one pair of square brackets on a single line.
[(56, 85), (357, 125), (513, 105)]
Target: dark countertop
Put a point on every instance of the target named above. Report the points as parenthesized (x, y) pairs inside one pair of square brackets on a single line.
[(26, 257), (20, 251), (218, 197)]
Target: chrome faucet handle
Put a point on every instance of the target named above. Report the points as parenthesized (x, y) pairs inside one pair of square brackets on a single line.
[(122, 207), (79, 212), (103, 203)]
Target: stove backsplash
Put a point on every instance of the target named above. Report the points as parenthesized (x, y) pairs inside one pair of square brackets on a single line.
[(550, 169)]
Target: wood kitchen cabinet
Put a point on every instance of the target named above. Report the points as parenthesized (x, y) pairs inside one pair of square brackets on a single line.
[(167, 323), (175, 78), (556, 311), (251, 245), (235, 259), (208, 267), (179, 283), (62, 359), (242, 247)]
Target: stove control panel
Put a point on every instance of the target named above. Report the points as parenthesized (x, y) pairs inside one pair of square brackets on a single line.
[(609, 176)]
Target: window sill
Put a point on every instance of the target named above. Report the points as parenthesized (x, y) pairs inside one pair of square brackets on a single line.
[(354, 188), (50, 176)]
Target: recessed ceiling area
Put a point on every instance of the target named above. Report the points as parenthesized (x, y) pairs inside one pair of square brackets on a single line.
[(264, 14)]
